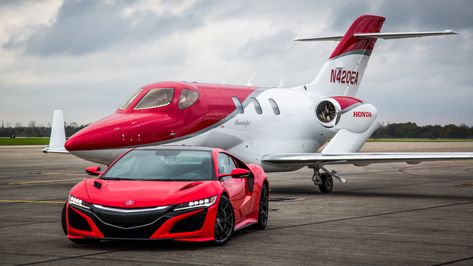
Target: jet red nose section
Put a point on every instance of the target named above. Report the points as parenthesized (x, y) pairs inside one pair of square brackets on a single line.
[(122, 130)]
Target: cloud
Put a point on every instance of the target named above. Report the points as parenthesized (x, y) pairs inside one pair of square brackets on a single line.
[(87, 56), (82, 27), (428, 15), (267, 45)]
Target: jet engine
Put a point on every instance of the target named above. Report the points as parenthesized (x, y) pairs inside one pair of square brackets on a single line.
[(341, 112)]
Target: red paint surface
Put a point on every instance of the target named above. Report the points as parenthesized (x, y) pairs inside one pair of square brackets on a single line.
[(363, 24), (346, 101), (130, 127), (115, 193)]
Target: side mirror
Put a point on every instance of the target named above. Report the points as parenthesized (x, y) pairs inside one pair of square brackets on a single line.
[(93, 170), (237, 173)]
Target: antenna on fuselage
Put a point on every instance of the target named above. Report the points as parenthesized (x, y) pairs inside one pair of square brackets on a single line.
[(281, 83), (250, 81)]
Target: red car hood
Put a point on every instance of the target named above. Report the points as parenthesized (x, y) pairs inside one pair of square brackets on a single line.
[(140, 194)]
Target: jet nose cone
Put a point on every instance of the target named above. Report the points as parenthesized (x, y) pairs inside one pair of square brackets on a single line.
[(72, 144), (90, 138), (102, 134), (121, 130)]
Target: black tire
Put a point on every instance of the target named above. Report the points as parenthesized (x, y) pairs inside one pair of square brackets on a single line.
[(224, 222), (64, 228), (263, 209), (327, 183), (63, 220)]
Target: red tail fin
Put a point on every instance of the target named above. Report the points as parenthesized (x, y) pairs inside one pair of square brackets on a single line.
[(350, 44)]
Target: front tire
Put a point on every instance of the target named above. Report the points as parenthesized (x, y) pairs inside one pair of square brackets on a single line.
[(263, 210), (224, 222), (63, 220)]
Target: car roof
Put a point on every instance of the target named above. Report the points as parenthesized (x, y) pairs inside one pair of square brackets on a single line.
[(176, 147)]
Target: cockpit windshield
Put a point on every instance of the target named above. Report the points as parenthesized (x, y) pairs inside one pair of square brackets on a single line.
[(188, 98), (129, 100), (156, 98)]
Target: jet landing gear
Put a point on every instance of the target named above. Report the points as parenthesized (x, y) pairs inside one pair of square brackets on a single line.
[(325, 180)]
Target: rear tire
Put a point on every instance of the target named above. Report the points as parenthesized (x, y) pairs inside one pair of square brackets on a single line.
[(327, 183), (263, 209), (224, 222), (78, 240)]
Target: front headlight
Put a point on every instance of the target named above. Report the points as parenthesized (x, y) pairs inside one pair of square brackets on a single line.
[(78, 202), (195, 204)]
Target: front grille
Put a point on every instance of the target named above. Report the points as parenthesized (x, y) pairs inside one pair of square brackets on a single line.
[(134, 233), (77, 221), (191, 223), (117, 223), (127, 220)]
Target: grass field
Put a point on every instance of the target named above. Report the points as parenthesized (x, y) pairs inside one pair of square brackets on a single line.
[(24, 141), (45, 141)]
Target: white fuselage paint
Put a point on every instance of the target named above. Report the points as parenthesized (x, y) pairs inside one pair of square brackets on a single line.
[(296, 129), (250, 135)]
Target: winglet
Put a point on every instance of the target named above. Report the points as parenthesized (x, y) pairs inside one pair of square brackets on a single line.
[(58, 134)]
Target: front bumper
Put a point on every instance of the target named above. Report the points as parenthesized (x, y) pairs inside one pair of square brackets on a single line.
[(112, 223)]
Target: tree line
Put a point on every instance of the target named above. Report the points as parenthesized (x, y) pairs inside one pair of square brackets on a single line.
[(395, 130), (412, 130), (34, 130)]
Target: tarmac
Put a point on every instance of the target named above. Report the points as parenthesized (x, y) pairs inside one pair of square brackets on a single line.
[(386, 214)]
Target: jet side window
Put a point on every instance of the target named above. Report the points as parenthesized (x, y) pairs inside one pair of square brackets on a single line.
[(274, 105), (225, 164), (129, 100), (188, 98), (257, 106), (155, 98), (238, 105)]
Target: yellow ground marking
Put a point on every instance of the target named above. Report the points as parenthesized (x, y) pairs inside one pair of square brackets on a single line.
[(45, 181), (32, 201)]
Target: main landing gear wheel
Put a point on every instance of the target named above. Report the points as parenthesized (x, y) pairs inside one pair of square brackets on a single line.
[(224, 222), (263, 209), (327, 183), (64, 228)]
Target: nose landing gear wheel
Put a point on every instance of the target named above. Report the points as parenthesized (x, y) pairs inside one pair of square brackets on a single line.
[(327, 183)]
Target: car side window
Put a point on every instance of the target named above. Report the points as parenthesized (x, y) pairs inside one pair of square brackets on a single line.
[(225, 164)]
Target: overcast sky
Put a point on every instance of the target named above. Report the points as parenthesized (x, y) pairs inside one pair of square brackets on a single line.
[(85, 57)]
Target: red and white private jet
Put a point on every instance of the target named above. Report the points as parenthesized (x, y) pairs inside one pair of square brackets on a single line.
[(277, 128)]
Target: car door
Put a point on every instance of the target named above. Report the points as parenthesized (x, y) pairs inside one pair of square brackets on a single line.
[(236, 187)]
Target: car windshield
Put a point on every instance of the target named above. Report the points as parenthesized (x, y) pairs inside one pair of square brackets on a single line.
[(167, 165)]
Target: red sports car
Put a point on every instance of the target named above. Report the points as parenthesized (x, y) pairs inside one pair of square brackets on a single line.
[(168, 192)]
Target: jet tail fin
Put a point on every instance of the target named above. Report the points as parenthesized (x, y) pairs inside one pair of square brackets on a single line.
[(343, 72), (58, 134)]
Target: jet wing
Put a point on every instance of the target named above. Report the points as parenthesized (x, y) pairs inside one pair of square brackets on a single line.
[(359, 159)]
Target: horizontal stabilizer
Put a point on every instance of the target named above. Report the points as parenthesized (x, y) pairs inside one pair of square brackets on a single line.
[(360, 159), (382, 35)]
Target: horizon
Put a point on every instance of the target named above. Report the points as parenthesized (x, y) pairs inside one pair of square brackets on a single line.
[(86, 57)]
